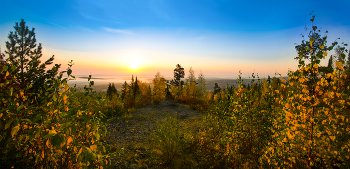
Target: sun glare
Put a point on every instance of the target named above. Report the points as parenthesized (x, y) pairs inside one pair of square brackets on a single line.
[(134, 66)]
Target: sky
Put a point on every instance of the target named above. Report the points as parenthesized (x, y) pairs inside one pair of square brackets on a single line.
[(141, 37)]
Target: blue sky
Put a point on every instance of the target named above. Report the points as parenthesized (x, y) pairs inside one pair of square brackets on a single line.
[(218, 37)]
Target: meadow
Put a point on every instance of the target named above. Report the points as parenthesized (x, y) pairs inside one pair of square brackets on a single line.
[(301, 121)]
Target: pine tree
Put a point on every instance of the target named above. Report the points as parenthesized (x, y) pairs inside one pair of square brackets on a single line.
[(22, 54), (124, 89), (179, 73), (136, 88)]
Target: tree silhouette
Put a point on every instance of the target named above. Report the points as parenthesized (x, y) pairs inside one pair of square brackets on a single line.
[(111, 90), (24, 54), (124, 89), (217, 89), (179, 73), (136, 88), (330, 64)]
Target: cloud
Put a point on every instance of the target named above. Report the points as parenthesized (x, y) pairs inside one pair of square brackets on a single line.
[(122, 31)]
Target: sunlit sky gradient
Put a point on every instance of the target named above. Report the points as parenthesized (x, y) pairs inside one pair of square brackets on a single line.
[(219, 37)]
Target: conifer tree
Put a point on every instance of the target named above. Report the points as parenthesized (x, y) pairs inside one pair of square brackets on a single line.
[(124, 87), (111, 90), (24, 53), (330, 64), (217, 89), (136, 88), (179, 73), (268, 78)]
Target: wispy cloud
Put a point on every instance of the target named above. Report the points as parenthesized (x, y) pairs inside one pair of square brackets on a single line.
[(81, 28), (122, 31)]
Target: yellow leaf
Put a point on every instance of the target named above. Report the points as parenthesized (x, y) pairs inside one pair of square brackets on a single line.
[(65, 98), (14, 130), (287, 105), (339, 65), (47, 143), (7, 73), (332, 138), (338, 94), (52, 132), (93, 147), (69, 140), (321, 46), (80, 151)]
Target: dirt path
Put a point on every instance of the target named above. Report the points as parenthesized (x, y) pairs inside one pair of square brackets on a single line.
[(130, 132)]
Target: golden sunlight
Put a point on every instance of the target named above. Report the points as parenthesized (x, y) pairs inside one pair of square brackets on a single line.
[(134, 66)]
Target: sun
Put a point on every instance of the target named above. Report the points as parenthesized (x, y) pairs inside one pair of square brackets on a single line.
[(134, 66)]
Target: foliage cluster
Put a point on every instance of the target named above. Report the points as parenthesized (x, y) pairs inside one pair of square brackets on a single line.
[(295, 123), (45, 123)]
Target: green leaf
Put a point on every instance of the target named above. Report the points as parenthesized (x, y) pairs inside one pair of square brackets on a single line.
[(14, 130), (48, 136), (28, 120), (37, 133), (4, 68), (7, 125), (69, 72), (73, 129), (57, 140), (20, 107), (97, 136), (86, 118), (13, 68), (31, 131)]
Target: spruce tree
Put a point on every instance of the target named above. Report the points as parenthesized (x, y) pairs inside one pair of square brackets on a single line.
[(136, 88), (111, 90), (330, 64), (25, 54), (124, 87)]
